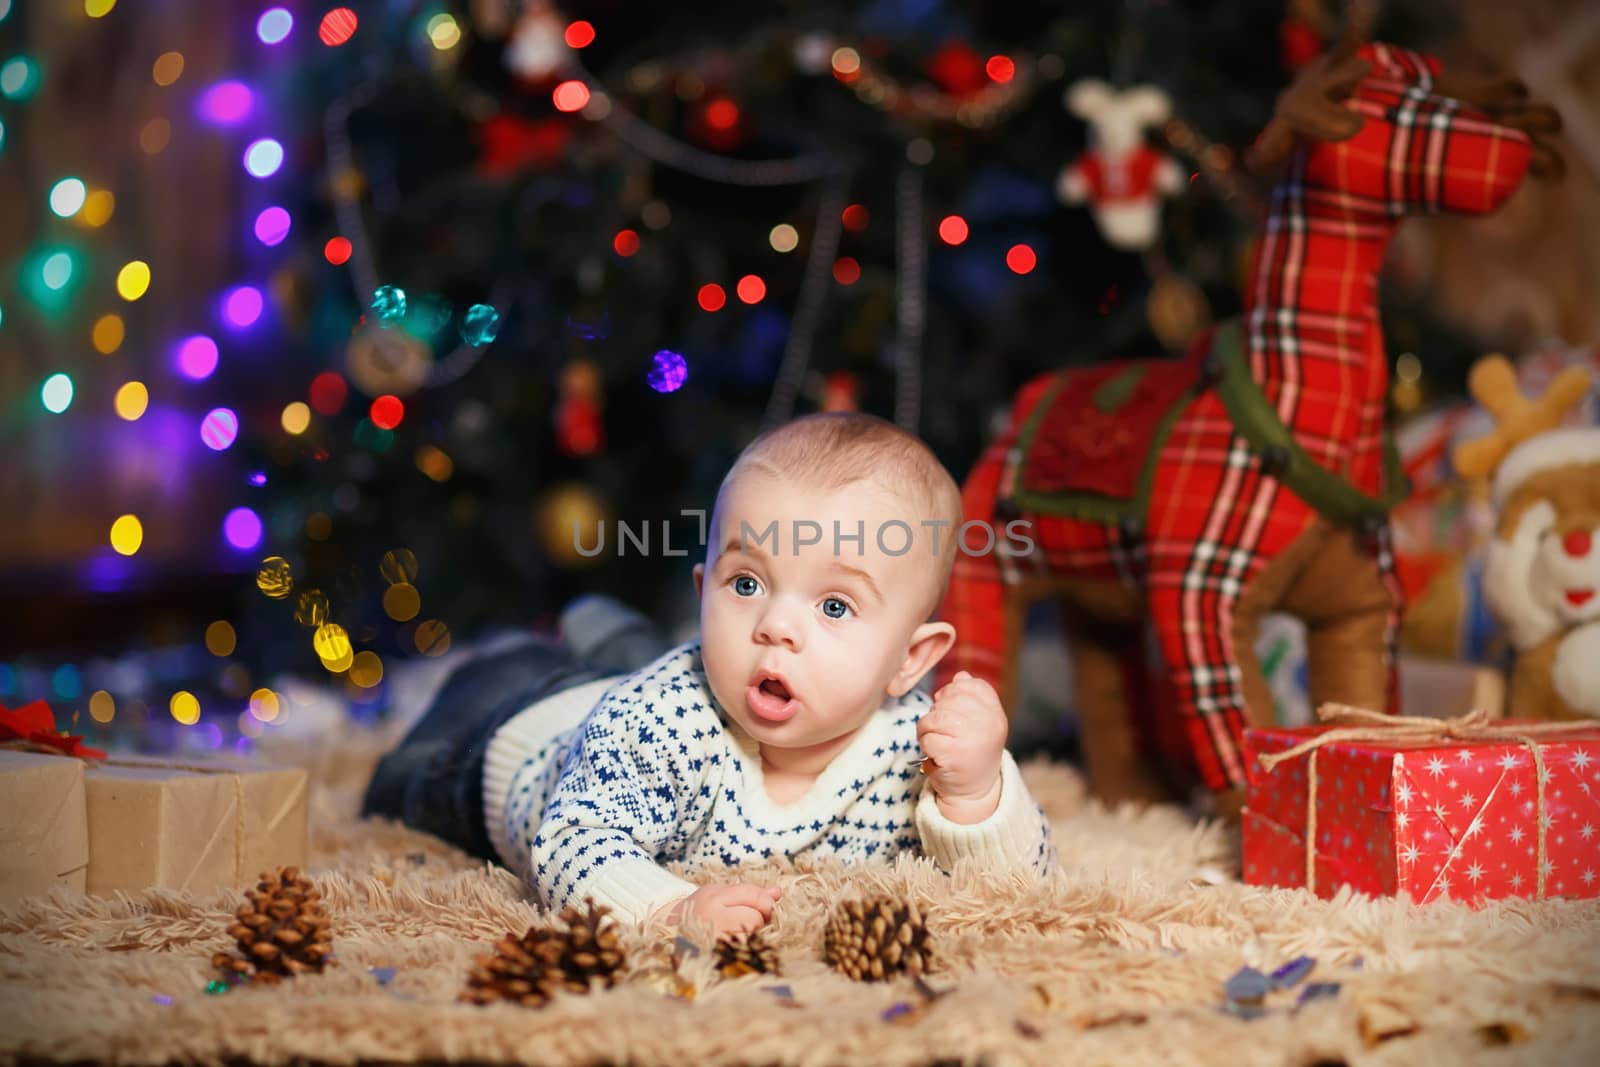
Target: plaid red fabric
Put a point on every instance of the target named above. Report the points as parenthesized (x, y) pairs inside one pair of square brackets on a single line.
[(1315, 346)]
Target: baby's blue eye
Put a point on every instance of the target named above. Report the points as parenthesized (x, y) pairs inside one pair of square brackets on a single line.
[(827, 608), (744, 585)]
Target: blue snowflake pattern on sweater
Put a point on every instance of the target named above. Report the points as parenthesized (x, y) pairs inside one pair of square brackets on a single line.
[(654, 773)]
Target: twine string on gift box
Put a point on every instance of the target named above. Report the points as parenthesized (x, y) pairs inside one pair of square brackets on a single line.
[(1367, 725)]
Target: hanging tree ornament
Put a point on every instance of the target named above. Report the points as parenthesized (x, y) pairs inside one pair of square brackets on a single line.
[(1121, 177)]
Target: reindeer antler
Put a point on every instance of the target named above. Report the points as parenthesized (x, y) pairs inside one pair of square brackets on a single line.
[(1505, 100), (1493, 384), (1313, 104)]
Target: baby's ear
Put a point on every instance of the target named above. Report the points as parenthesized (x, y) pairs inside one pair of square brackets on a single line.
[(699, 578), (929, 643)]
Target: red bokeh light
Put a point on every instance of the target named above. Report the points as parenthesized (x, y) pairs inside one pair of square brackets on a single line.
[(722, 114), (386, 412), (338, 26), (751, 289), (846, 271), (953, 229), (571, 96), (1021, 259), (625, 243), (1000, 69), (712, 297), (327, 393), (337, 251), (856, 218), (580, 34)]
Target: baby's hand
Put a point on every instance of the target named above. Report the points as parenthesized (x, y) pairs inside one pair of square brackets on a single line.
[(963, 737), (726, 909)]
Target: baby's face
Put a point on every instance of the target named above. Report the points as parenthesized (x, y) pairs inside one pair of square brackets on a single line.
[(832, 621)]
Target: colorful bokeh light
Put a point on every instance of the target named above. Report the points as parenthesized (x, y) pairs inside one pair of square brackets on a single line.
[(133, 280), (274, 25), (337, 27), (107, 334), (219, 429), (263, 158), (625, 243), (751, 289), (227, 103), (127, 534), (328, 393), (242, 529), (167, 69), (67, 196), (296, 418), (272, 226), (668, 372), (185, 707), (196, 357), (56, 270), (56, 393), (386, 412), (784, 238), (242, 306), (1021, 259), (19, 78), (846, 271), (952, 229), (570, 96), (131, 401), (337, 251), (580, 34), (711, 297)]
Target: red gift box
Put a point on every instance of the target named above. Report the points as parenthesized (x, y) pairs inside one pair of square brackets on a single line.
[(1434, 808)]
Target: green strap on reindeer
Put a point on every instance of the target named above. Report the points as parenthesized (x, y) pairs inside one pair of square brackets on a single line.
[(1256, 420)]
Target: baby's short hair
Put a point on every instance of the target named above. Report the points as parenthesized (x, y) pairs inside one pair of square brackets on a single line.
[(833, 449)]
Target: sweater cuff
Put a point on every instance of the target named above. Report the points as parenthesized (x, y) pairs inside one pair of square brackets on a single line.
[(634, 887), (1012, 837)]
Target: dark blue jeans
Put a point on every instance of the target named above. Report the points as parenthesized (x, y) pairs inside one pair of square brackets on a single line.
[(433, 781)]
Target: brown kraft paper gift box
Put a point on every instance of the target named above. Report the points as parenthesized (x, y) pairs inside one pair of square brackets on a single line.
[(44, 831), (195, 826)]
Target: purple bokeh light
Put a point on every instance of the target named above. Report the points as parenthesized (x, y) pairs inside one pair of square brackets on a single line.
[(242, 306), (258, 478), (219, 428), (197, 357), (242, 528), (272, 226), (274, 25), (668, 372), (227, 103)]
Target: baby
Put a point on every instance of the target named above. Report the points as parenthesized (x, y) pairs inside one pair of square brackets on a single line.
[(791, 726)]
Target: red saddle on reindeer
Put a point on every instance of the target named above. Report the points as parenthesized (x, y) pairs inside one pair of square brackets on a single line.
[(1088, 449)]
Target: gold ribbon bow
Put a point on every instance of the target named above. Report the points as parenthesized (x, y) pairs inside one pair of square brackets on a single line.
[(1362, 724)]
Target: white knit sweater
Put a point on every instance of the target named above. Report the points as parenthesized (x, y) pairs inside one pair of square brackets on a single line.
[(589, 792)]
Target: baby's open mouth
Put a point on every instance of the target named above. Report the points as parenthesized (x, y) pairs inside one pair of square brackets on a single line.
[(770, 700), (775, 688)]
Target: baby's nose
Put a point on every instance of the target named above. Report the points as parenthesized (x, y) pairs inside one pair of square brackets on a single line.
[(1577, 543)]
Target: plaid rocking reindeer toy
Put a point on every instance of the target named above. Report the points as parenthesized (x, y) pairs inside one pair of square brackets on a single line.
[(1192, 496)]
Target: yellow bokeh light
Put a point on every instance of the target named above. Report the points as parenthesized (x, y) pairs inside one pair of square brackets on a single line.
[(133, 280), (101, 707), (168, 68), (332, 644), (296, 417), (401, 602), (433, 638), (398, 565), (131, 400), (264, 705), (444, 32), (127, 534), (96, 9), (275, 577), (220, 638), (312, 609), (366, 670), (97, 208), (107, 334), (784, 238), (185, 708), (154, 136)]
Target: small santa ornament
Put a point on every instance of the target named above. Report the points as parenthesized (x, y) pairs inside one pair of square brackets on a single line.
[(1121, 177)]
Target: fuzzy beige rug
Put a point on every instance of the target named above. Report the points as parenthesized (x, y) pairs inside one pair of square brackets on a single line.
[(1120, 959)]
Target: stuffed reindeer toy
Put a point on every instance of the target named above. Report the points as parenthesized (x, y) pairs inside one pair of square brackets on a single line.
[(1189, 497)]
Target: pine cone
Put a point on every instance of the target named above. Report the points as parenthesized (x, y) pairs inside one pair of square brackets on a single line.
[(877, 940), (533, 968), (282, 930), (744, 954), (591, 952), (522, 970)]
